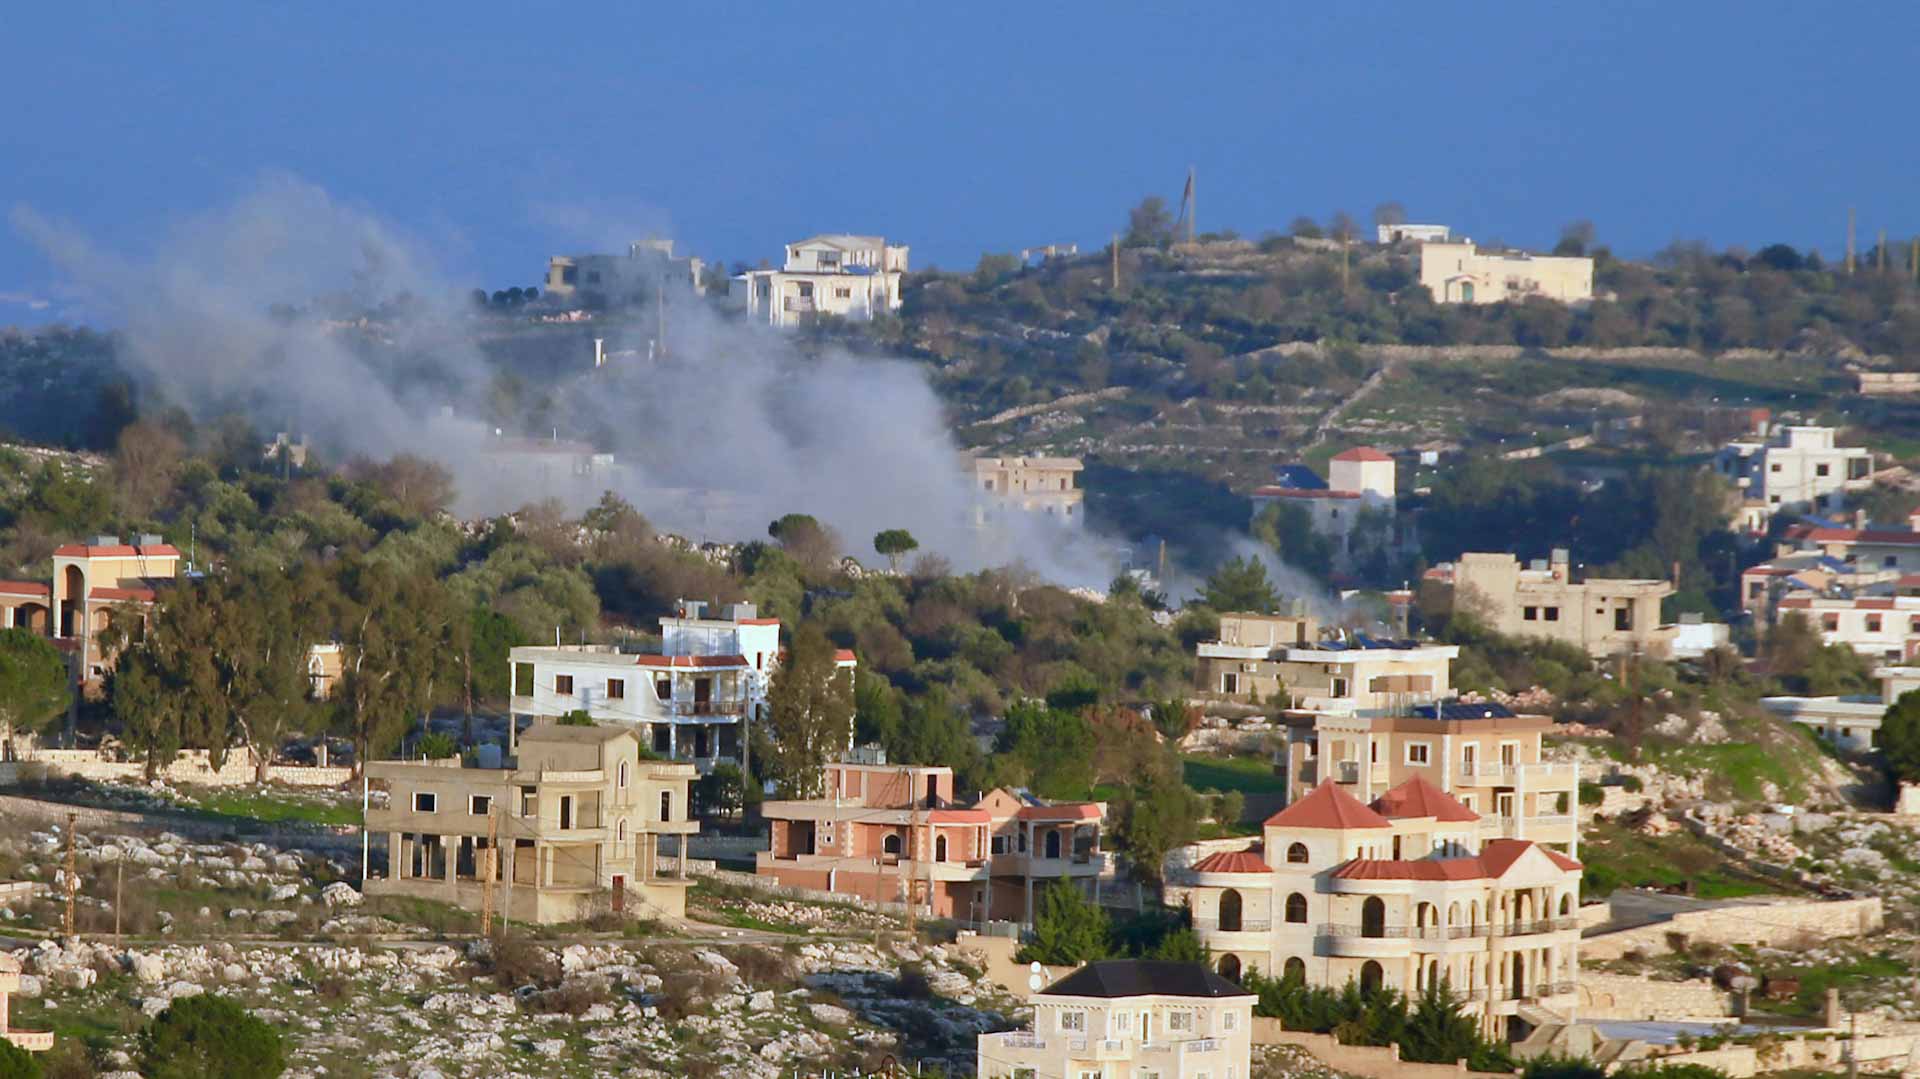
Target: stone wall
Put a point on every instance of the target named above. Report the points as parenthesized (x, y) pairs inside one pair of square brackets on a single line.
[(1759, 924), (1896, 1053), (1629, 996), (53, 815), (192, 766), (1372, 1061)]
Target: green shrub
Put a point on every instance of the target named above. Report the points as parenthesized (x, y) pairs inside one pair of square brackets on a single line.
[(210, 1037), (1591, 794), (436, 746), (17, 1063)]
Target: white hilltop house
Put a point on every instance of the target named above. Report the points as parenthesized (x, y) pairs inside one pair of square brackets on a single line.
[(852, 277)]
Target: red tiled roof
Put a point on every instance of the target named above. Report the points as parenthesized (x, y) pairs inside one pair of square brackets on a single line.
[(844, 655), (1361, 453), (1065, 811), (691, 661), (1301, 492), (144, 595), (1232, 861), (1495, 858), (1419, 798), (25, 588), (1327, 806), (120, 550)]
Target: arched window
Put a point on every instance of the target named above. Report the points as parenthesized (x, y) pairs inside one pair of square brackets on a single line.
[(1230, 967), (940, 848), (1518, 987), (1297, 909), (1373, 917), (1053, 843), (1371, 977), (1425, 915), (1229, 911), (1295, 970), (1566, 904), (1453, 914), (620, 830), (1297, 854), (891, 844), (666, 805), (623, 774)]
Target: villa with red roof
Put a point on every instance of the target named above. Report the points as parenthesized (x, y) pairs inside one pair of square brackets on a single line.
[(1403, 892), (1359, 481), (695, 699), (89, 580), (888, 832)]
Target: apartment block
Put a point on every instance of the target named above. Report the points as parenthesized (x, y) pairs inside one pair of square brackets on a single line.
[(1457, 273), (1604, 616), (1044, 486), (1401, 893), (1360, 485), (1885, 628), (1851, 722), (1127, 1018), (694, 700), (569, 826), (1794, 469), (1261, 657), (1481, 754), (851, 277), (896, 833)]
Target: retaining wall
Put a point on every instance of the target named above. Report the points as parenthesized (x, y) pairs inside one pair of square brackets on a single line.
[(1758, 924), (1628, 996), (1372, 1061), (32, 811), (192, 766)]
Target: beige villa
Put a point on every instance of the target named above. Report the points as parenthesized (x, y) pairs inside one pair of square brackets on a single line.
[(1128, 1019), (1606, 617), (576, 819)]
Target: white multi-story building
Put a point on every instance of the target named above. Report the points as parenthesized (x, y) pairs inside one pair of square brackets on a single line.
[(1401, 894), (1129, 1019), (1878, 627), (1359, 481), (853, 277), (1456, 273), (1851, 722), (1794, 470), (694, 700)]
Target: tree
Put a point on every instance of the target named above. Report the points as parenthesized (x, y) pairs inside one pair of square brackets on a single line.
[(438, 746), (1305, 228), (1240, 584), (1437, 1031), (1149, 224), (392, 628), (1575, 238), (144, 463), (17, 1063), (1389, 213), (576, 718), (1900, 736), (210, 1037), (810, 702), (720, 791), (1156, 815), (1288, 529), (1341, 226), (1054, 748), (1068, 928), (1183, 946), (895, 543), (34, 687)]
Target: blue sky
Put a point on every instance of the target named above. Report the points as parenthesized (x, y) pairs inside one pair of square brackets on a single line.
[(500, 134)]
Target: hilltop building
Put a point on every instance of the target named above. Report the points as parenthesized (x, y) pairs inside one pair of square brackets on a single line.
[(695, 700), (1360, 485), (1456, 273), (1604, 616), (577, 814), (889, 832), (648, 267), (1412, 234), (1851, 722), (1792, 469), (89, 580), (1400, 893), (1048, 486), (852, 277), (1126, 1018)]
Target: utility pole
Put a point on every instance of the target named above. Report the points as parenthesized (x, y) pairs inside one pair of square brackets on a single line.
[(1849, 241), (1913, 258), (73, 878), (1116, 262), (1880, 252), (119, 887), (913, 846), (493, 861), (1193, 204)]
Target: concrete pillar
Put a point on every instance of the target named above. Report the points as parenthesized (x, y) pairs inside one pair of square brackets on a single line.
[(393, 855)]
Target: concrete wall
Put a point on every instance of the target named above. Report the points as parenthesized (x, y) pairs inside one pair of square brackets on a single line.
[(1629, 996), (1878, 1055), (191, 766), (1758, 924)]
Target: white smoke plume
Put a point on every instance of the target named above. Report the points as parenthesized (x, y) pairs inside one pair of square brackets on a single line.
[(734, 427)]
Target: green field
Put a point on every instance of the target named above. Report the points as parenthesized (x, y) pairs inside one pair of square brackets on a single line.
[(1250, 775), (272, 806), (1618, 857)]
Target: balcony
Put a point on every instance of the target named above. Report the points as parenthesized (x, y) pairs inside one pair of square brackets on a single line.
[(1544, 775), (1247, 925), (1534, 826), (706, 710), (1346, 771)]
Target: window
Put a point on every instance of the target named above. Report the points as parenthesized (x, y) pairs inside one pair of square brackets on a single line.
[(479, 805), (1230, 1021), (1552, 613), (622, 774), (1773, 500), (616, 689), (1339, 687), (999, 844), (563, 684), (1373, 752), (806, 290), (523, 679), (1873, 623), (1774, 467), (666, 805), (1297, 854), (1530, 614), (1890, 561), (663, 688), (1297, 909), (1822, 470), (1075, 1021), (1419, 753), (1230, 683), (843, 293), (620, 831), (1830, 622), (425, 802), (529, 802), (1180, 1020), (1623, 618)]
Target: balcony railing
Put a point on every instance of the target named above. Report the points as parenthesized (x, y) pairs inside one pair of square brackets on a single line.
[(1346, 771), (1022, 1041), (1497, 770), (1246, 925), (1201, 1045), (1372, 932), (1444, 932), (707, 708)]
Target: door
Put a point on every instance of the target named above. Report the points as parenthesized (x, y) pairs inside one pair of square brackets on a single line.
[(1469, 759), (702, 693), (1466, 292), (566, 811), (1373, 917), (619, 893)]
